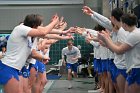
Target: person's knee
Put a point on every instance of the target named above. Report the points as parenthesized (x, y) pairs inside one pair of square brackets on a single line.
[(69, 72), (44, 82)]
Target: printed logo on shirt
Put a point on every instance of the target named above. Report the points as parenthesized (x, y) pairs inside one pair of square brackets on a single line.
[(71, 53)]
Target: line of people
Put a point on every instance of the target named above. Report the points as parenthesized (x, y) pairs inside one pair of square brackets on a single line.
[(116, 50), (22, 68), (116, 44)]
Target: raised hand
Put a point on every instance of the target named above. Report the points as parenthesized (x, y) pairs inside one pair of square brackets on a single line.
[(87, 10), (69, 37), (87, 40), (104, 37), (55, 19), (80, 30), (61, 24), (72, 30)]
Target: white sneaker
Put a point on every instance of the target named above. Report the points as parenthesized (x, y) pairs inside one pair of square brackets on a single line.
[(90, 76), (70, 86)]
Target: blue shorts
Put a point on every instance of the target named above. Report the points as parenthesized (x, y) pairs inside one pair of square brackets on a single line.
[(25, 72), (122, 72), (110, 63), (6, 73), (104, 65), (41, 66), (133, 76), (73, 67), (99, 66), (114, 71), (95, 64)]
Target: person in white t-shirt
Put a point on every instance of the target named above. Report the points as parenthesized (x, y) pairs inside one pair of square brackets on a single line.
[(18, 50), (72, 54), (130, 48)]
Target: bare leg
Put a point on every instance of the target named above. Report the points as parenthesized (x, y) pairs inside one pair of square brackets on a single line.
[(106, 82), (89, 70), (32, 78), (102, 82), (26, 86), (43, 82), (69, 78), (21, 83), (12, 86), (111, 86), (133, 88), (121, 83), (75, 75), (37, 84), (69, 74)]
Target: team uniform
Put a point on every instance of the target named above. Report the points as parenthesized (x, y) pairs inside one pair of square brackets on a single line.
[(104, 58), (17, 53), (119, 60), (97, 60), (25, 71), (133, 57), (69, 54), (40, 65), (32, 61)]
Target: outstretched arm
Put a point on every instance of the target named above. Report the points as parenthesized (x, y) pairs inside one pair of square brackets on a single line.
[(100, 19)]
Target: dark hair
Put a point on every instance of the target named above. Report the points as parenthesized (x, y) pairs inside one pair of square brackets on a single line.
[(117, 13), (33, 20), (129, 19), (70, 42), (99, 28)]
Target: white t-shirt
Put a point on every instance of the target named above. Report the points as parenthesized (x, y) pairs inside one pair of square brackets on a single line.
[(71, 53), (34, 46), (18, 47), (103, 53), (110, 54), (97, 52), (113, 37), (119, 60), (133, 55), (96, 49)]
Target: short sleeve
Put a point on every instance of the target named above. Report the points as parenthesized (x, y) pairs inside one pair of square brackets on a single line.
[(133, 38), (121, 35), (25, 30), (63, 51)]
